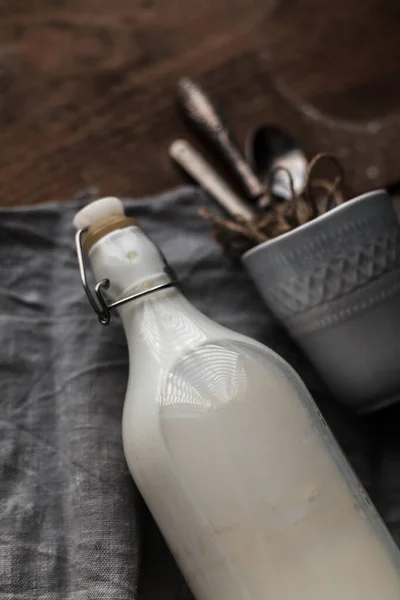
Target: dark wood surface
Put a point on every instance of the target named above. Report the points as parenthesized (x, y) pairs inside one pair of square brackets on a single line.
[(87, 87)]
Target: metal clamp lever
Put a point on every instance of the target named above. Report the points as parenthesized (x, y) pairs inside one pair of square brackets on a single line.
[(99, 303)]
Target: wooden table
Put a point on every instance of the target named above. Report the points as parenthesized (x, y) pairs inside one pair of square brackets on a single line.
[(87, 87)]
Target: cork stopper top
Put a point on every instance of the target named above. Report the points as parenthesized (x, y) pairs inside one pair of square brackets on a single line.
[(97, 211), (100, 218)]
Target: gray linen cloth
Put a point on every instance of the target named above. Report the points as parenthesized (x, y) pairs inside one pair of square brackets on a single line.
[(72, 524)]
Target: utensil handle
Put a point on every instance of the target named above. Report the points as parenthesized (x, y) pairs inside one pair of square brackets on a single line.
[(200, 110), (200, 170)]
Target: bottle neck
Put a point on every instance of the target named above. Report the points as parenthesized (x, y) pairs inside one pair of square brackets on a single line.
[(129, 260), (163, 323)]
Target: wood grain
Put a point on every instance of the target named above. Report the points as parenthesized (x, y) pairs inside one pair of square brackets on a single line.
[(87, 87)]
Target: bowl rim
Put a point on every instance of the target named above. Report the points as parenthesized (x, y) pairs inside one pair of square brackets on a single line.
[(313, 223)]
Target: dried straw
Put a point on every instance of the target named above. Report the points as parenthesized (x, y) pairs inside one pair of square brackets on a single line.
[(237, 235)]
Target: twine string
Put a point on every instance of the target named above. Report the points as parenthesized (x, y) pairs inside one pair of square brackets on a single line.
[(238, 234)]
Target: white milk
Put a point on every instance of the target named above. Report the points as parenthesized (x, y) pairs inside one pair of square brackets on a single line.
[(231, 455)]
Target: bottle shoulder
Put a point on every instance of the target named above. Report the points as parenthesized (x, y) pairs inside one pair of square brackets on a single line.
[(167, 329)]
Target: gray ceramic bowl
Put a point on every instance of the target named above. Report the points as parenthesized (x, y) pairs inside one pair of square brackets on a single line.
[(335, 285)]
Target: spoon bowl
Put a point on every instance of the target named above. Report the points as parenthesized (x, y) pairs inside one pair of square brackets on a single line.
[(269, 150)]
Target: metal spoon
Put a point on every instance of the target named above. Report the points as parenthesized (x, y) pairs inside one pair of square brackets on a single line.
[(201, 171), (269, 147), (201, 111)]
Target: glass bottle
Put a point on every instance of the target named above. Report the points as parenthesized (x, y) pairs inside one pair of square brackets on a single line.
[(247, 484)]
